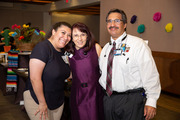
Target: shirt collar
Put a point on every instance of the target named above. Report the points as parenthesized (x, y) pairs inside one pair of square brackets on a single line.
[(119, 39)]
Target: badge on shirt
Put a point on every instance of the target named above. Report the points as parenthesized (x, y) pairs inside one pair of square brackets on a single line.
[(65, 58), (122, 50), (117, 52), (68, 54), (123, 47)]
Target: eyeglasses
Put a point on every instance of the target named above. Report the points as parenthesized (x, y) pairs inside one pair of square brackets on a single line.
[(76, 36), (116, 21)]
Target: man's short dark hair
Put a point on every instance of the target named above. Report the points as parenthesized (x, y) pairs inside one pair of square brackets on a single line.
[(124, 18)]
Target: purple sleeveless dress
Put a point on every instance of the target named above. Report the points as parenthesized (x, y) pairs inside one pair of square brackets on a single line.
[(86, 94)]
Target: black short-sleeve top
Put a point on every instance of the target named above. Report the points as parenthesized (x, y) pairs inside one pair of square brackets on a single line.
[(54, 74)]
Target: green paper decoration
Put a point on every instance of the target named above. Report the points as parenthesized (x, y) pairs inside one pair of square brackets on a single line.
[(141, 28)]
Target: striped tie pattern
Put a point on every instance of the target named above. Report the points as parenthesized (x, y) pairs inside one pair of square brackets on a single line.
[(109, 71)]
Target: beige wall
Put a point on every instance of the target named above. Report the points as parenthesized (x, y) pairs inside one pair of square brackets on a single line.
[(92, 21), (159, 40)]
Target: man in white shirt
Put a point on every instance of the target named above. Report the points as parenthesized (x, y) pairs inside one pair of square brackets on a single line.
[(135, 84)]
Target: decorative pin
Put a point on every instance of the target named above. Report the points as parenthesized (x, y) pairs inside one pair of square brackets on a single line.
[(127, 49), (123, 47)]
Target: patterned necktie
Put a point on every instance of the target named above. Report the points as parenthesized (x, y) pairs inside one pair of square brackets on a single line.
[(109, 71)]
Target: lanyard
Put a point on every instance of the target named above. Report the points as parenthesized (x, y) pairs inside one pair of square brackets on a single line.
[(121, 48)]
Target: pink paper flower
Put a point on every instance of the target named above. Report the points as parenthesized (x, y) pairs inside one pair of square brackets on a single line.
[(157, 16)]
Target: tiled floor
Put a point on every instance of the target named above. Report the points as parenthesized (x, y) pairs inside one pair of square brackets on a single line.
[(168, 108), (10, 111)]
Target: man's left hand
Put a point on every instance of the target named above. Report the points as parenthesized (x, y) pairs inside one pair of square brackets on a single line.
[(149, 112)]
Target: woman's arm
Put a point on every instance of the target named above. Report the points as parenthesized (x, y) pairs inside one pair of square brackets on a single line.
[(98, 49), (36, 67)]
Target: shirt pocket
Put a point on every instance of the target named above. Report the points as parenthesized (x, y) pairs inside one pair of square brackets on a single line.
[(122, 63)]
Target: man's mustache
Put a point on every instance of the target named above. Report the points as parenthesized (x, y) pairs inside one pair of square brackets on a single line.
[(113, 27)]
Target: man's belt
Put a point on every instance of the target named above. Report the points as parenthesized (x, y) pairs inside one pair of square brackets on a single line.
[(127, 92)]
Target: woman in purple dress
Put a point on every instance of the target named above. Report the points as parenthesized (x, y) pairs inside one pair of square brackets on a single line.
[(86, 94)]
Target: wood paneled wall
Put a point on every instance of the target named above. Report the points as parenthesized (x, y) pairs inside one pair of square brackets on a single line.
[(168, 65)]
